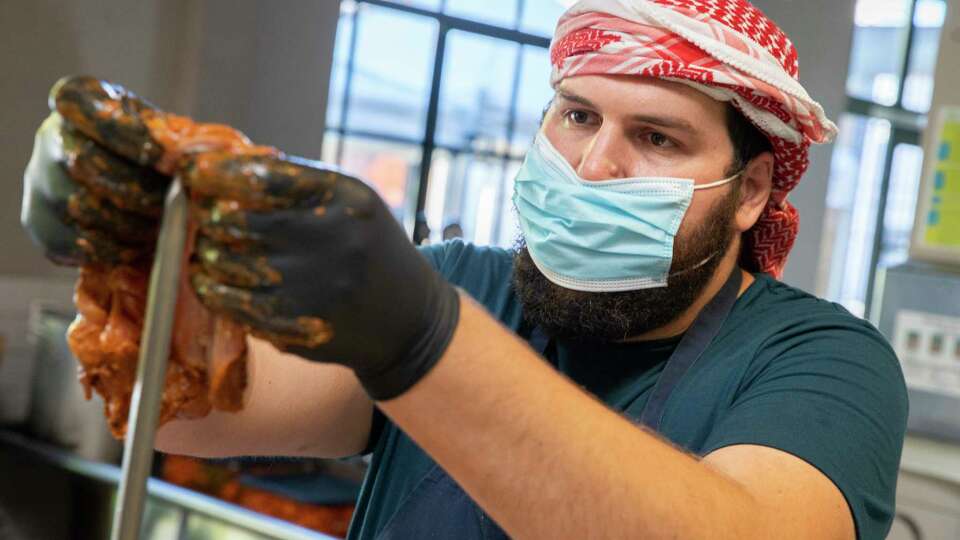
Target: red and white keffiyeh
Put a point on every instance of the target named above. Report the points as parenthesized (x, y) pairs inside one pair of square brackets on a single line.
[(727, 49)]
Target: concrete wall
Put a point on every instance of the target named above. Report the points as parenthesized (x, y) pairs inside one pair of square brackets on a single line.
[(266, 69), (822, 31), (248, 63)]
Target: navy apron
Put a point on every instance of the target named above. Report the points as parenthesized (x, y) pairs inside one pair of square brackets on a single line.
[(439, 508)]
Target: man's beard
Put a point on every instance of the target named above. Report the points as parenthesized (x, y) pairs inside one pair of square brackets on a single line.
[(609, 317)]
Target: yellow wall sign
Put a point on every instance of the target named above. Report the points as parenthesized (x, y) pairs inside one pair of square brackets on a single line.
[(937, 232), (943, 213)]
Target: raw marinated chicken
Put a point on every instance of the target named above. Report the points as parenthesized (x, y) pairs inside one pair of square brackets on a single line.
[(207, 364)]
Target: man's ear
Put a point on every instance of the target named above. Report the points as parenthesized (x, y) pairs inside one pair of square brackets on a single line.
[(756, 181)]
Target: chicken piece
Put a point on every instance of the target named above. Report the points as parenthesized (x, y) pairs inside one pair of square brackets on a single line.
[(207, 364), (105, 339)]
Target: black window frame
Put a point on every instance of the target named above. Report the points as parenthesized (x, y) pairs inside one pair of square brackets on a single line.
[(445, 24), (907, 127)]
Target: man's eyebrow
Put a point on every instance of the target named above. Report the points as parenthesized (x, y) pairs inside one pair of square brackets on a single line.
[(670, 122), (656, 120), (576, 99)]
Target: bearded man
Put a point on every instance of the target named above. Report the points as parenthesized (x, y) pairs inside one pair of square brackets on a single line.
[(634, 369)]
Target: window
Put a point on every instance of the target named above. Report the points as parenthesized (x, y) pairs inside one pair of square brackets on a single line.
[(876, 166), (901, 204), (856, 176), (435, 103), (498, 12), (882, 28), (928, 21)]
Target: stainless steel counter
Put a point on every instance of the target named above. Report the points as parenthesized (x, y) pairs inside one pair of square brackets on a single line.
[(172, 512)]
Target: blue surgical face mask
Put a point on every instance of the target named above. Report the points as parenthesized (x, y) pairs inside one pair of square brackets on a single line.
[(599, 236)]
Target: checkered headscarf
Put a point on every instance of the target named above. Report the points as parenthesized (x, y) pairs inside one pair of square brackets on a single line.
[(727, 49)]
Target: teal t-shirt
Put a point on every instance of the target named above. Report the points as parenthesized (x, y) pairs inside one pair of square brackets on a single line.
[(787, 370)]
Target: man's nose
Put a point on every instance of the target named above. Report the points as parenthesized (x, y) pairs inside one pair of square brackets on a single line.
[(601, 158)]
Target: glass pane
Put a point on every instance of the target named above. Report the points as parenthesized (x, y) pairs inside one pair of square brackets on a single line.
[(466, 192), (391, 78), (161, 521), (497, 12), (484, 182), (393, 169), (533, 96), (338, 73), (918, 86), (329, 149), (439, 196), (476, 92), (509, 227), (540, 16), (901, 203), (930, 14), (201, 527), (432, 5), (879, 43), (852, 200)]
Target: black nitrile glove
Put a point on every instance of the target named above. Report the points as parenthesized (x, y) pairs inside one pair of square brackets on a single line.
[(312, 260), (84, 204)]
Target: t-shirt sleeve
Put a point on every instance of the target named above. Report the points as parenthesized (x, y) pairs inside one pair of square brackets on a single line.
[(829, 391), (454, 259), (484, 272), (434, 254), (480, 271)]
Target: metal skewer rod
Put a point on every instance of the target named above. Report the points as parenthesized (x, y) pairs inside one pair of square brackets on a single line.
[(152, 366)]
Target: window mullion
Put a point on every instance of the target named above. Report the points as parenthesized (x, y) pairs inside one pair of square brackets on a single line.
[(467, 25), (896, 137), (905, 67), (348, 83), (518, 20), (420, 224)]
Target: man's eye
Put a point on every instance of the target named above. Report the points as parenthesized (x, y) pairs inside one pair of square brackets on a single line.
[(578, 117), (659, 139)]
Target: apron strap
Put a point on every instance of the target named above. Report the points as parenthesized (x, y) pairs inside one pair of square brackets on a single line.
[(415, 517), (539, 340), (692, 345)]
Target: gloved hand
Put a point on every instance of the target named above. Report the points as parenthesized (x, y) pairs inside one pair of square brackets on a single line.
[(303, 255), (84, 204), (312, 260), (95, 196)]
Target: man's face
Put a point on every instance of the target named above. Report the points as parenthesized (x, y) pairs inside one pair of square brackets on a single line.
[(621, 127)]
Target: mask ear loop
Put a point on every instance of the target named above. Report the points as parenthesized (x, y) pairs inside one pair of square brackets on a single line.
[(718, 183), (700, 264), (696, 266)]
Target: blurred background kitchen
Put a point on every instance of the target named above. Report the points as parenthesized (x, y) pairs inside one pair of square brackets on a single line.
[(434, 102)]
